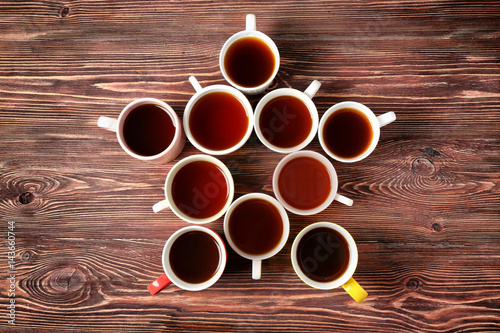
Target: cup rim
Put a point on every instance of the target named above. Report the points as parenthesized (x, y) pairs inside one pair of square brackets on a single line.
[(181, 283), (311, 107), (168, 109), (170, 177), (269, 42), (373, 122), (218, 88), (284, 218), (331, 171), (353, 257)]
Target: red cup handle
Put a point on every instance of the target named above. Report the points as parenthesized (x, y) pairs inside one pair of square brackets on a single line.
[(157, 285)]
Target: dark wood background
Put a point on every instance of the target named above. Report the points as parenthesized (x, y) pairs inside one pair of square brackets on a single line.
[(426, 213)]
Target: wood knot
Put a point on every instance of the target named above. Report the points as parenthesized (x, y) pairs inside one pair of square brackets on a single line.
[(437, 227), (26, 256), (413, 284), (67, 279), (65, 11), (431, 152), (26, 198), (423, 167), (69, 285)]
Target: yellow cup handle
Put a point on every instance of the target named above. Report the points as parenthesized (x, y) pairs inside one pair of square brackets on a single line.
[(355, 290)]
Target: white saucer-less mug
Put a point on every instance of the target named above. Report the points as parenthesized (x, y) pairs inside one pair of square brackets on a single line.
[(250, 31), (117, 125), (376, 122)]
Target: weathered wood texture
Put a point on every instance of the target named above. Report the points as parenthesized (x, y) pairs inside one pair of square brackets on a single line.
[(426, 211)]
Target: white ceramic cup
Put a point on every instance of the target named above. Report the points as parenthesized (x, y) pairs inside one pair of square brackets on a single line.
[(376, 122), (333, 195), (201, 196), (323, 249), (117, 125), (283, 118), (169, 276), (250, 31), (200, 93), (257, 259)]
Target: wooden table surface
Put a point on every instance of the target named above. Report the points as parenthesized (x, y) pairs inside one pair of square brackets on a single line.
[(78, 208)]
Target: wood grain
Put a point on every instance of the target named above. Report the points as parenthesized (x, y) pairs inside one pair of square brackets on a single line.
[(426, 202)]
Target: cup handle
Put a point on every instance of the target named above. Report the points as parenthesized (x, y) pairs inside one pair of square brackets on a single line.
[(256, 269), (159, 284), (355, 290), (342, 199), (386, 118), (196, 85), (107, 123), (251, 22), (159, 206), (312, 89)]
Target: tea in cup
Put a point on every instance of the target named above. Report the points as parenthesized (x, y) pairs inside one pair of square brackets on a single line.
[(198, 189), (147, 129), (193, 259), (256, 227), (349, 131), (286, 119), (324, 256), (249, 60), (218, 119), (305, 183)]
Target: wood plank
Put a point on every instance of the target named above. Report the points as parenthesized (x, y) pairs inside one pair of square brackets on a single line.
[(426, 202)]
